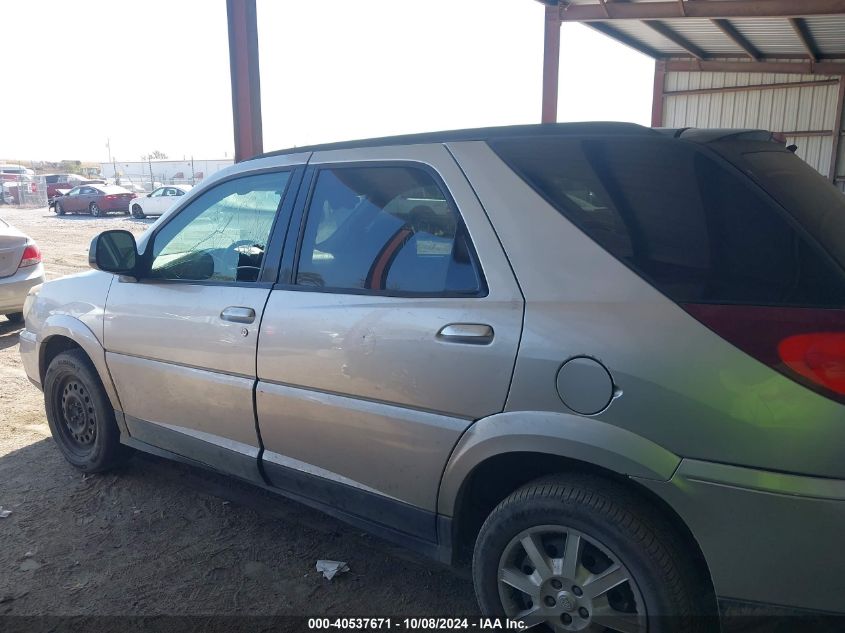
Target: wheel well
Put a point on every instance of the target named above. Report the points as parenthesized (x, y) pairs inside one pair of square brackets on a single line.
[(51, 348), (497, 477)]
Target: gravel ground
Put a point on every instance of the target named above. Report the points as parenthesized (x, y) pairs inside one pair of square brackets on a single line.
[(160, 538)]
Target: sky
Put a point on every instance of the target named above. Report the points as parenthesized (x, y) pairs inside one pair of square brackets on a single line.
[(154, 74)]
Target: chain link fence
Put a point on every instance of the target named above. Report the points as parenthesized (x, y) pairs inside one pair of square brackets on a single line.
[(23, 191)]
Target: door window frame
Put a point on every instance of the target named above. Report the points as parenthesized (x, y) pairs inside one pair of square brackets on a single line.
[(275, 241), (293, 243)]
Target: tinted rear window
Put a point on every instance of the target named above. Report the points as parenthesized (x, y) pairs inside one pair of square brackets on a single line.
[(693, 226), (805, 193)]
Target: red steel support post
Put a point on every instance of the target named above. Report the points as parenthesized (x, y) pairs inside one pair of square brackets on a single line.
[(246, 86), (837, 130), (657, 95), (551, 64)]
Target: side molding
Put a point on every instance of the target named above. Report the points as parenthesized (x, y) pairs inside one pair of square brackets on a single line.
[(579, 438), (77, 331)]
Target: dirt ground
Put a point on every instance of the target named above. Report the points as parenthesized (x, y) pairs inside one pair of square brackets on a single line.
[(160, 538)]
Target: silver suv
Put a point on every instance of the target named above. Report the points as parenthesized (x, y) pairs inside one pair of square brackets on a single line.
[(603, 363)]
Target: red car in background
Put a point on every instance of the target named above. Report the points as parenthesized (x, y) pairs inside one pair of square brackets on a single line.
[(94, 199), (62, 181)]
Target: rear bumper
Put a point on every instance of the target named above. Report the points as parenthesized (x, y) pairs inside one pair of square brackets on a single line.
[(13, 290), (768, 537)]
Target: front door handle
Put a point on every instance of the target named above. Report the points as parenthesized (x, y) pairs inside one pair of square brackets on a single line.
[(238, 314), (467, 333)]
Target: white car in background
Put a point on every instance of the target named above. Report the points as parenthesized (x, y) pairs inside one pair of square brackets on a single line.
[(20, 270), (159, 201)]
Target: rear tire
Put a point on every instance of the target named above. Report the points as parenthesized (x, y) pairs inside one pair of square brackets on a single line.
[(80, 415), (15, 317), (610, 529), (94, 209)]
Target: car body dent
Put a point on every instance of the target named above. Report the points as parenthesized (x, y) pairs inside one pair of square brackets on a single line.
[(559, 434)]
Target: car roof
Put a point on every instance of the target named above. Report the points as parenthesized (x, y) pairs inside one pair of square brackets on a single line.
[(481, 134)]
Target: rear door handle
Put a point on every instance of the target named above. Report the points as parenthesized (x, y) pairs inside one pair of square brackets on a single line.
[(238, 314), (467, 333)]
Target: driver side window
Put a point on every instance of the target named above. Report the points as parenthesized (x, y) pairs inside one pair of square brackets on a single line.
[(221, 236)]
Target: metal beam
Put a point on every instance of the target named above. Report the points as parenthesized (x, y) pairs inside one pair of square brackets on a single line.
[(619, 36), (246, 85), (803, 33), (551, 65), (674, 36), (752, 87), (720, 9), (807, 133), (837, 129), (801, 68), (737, 38), (657, 94)]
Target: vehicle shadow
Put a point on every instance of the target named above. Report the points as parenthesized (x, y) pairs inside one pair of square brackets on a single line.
[(161, 538), (9, 333), (88, 216)]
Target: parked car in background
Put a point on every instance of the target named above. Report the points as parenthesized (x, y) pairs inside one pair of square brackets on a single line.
[(20, 270), (8, 192), (603, 362), (15, 173), (63, 181), (159, 201), (58, 188), (95, 200)]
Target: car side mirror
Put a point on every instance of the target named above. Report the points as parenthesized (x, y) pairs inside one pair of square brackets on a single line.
[(114, 252), (149, 195)]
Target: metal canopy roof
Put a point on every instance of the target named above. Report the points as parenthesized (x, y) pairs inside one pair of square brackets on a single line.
[(702, 30)]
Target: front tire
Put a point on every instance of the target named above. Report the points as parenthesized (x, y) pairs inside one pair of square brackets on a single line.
[(80, 415), (581, 552), (137, 212), (15, 317), (94, 209), (59, 210)]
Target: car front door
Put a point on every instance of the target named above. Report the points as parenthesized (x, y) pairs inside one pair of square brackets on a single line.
[(71, 202), (181, 341), (156, 202), (396, 327)]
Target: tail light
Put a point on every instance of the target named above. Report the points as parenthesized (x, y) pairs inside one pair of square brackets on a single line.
[(818, 357), (805, 344), (111, 197), (31, 256)]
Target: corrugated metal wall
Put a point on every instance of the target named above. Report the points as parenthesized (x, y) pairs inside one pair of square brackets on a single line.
[(807, 109)]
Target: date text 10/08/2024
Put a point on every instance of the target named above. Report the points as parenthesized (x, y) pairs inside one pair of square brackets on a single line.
[(415, 624)]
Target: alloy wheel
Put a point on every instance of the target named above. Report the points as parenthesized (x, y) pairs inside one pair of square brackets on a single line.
[(558, 577)]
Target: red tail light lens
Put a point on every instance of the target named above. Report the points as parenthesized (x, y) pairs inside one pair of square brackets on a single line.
[(805, 344), (818, 357), (31, 256), (111, 197)]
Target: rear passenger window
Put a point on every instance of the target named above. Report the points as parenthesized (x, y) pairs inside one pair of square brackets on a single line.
[(693, 227), (385, 230)]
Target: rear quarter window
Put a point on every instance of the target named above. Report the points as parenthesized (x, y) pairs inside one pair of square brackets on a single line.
[(686, 221)]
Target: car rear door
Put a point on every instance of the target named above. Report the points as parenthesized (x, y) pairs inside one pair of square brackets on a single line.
[(181, 342), (394, 327)]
